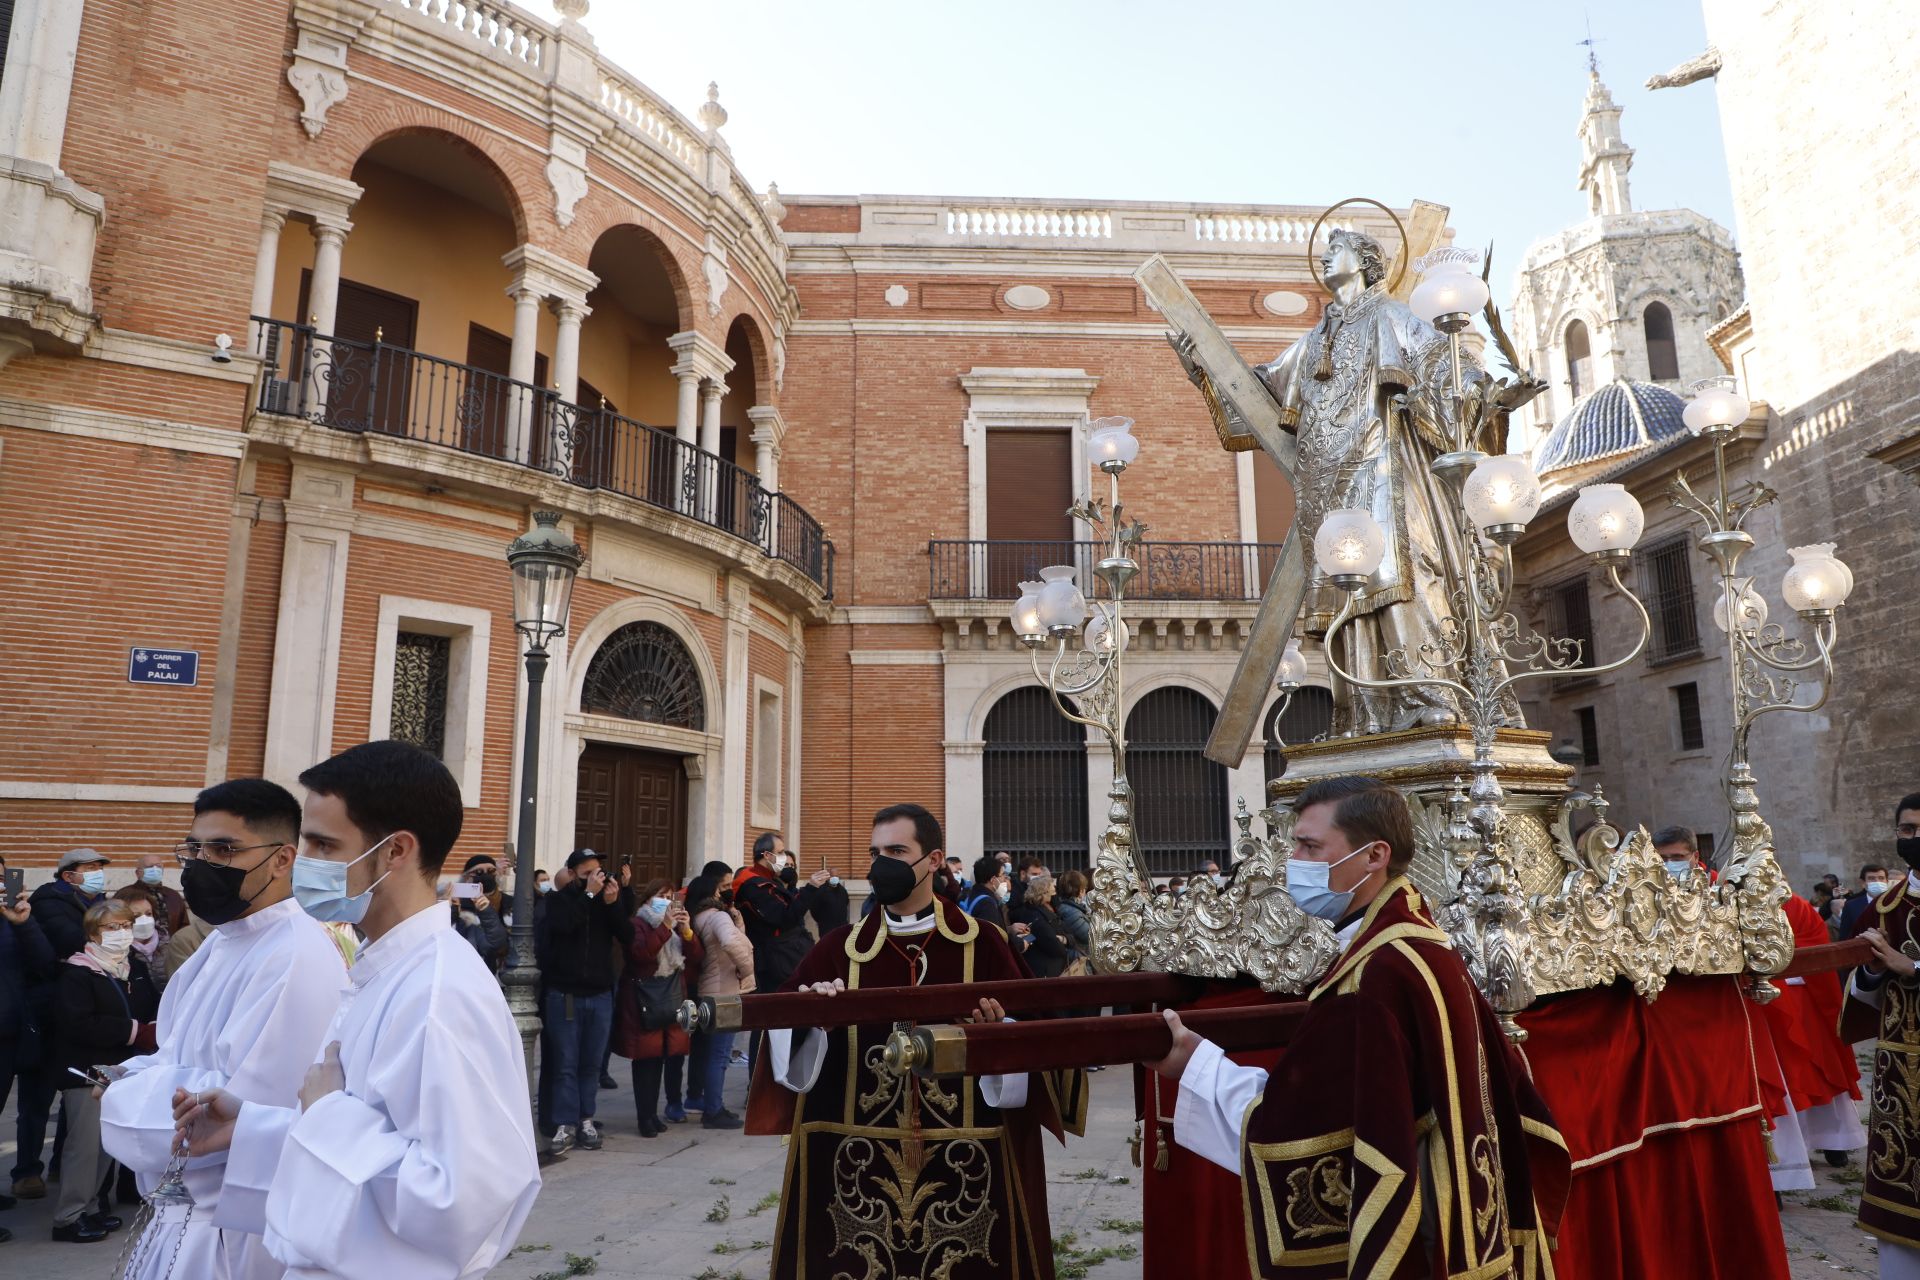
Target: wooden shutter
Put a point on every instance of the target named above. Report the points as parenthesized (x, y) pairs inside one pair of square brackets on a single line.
[(487, 400), (368, 390), (1029, 488)]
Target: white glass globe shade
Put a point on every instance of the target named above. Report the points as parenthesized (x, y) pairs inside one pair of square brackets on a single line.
[(1112, 440), (1605, 517), (1293, 665), (1501, 490), (1350, 541), (1750, 607), (1026, 611), (1715, 404), (1101, 638), (1449, 289), (1061, 604), (1816, 579)]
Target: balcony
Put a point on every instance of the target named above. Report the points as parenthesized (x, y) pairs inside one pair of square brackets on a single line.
[(1175, 571), (376, 387)]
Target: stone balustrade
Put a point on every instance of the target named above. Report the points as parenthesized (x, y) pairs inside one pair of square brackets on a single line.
[(498, 26), (1028, 222), (634, 103)]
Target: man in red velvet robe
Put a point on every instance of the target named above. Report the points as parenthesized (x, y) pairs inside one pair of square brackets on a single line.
[(891, 1175), (1883, 997), (1820, 1108), (1399, 1135)]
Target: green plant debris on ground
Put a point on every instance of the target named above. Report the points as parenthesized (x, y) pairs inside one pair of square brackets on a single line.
[(767, 1201), (715, 1273), (721, 1211), (576, 1266), (1070, 1263), (1833, 1204), (528, 1248), (735, 1246), (1129, 1226), (719, 1182), (1089, 1174)]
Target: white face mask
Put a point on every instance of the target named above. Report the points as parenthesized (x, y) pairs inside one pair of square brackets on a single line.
[(1876, 887), (115, 941), (1005, 893), (780, 861), (1308, 883), (546, 886), (143, 927)]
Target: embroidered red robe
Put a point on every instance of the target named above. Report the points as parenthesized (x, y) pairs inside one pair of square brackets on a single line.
[(1399, 1135), (898, 1176), (1890, 1197)]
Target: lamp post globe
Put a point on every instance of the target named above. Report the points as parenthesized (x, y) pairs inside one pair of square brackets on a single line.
[(544, 562)]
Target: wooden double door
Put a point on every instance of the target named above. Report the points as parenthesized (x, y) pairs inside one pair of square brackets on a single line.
[(632, 807)]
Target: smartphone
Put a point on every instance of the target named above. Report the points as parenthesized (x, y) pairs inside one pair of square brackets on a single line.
[(93, 1078), (466, 889), (16, 885)]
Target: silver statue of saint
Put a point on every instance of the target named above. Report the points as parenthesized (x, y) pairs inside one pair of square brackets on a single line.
[(1364, 391)]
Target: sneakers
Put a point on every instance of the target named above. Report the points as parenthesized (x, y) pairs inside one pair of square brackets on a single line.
[(675, 1114), (31, 1188), (589, 1136), (562, 1140), (722, 1119), (736, 1057)]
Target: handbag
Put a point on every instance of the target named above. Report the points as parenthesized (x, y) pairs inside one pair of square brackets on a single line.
[(659, 1000)]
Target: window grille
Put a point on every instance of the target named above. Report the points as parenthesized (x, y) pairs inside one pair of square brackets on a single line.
[(1686, 704), (1180, 818), (1666, 585), (643, 672), (1309, 718), (1034, 781), (421, 666), (1589, 736)]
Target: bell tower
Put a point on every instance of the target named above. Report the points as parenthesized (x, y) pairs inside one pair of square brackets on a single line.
[(1605, 156)]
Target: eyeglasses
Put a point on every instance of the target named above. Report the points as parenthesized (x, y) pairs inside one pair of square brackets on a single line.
[(1907, 830), (215, 850)]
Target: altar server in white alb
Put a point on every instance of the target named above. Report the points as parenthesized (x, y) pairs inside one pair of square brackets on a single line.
[(410, 1153), (245, 1014)]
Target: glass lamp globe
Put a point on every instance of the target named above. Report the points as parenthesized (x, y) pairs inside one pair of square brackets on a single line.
[(1717, 405), (1605, 518), (1111, 442), (1293, 666), (1749, 609), (1061, 604), (1816, 581), (1102, 638), (1350, 543), (1501, 493), (1450, 284), (1026, 612)]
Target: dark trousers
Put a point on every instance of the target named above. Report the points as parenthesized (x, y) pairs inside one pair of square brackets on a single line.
[(37, 1091), (647, 1076)]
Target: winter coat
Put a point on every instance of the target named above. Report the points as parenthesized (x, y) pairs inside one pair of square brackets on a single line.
[(630, 1039), (26, 979), (727, 966), (61, 910), (776, 924), (575, 939), (99, 1020), (1047, 952), (1073, 914)]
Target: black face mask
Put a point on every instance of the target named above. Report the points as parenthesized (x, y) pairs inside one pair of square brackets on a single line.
[(1908, 848), (488, 882), (893, 880), (213, 892)]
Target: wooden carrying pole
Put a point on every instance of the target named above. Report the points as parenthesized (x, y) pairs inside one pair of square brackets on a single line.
[(943, 1002), (1063, 1043)]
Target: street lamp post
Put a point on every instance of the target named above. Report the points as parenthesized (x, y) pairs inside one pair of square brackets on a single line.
[(544, 563)]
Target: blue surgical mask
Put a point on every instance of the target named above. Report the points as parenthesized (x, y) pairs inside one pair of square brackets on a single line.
[(833, 879), (1307, 883), (320, 887), (546, 886), (659, 905), (1678, 868), (150, 875), (94, 881)]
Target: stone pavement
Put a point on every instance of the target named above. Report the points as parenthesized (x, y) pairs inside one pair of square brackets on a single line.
[(698, 1205)]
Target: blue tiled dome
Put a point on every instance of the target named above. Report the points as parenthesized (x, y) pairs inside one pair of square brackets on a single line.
[(1616, 419)]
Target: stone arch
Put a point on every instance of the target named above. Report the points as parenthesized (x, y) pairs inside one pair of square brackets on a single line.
[(1177, 679), (646, 231), (616, 617), (475, 145), (744, 335), (645, 672)]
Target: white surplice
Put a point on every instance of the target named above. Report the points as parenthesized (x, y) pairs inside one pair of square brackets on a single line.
[(424, 1167), (246, 1013)]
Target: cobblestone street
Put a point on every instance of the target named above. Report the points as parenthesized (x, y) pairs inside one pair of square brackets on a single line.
[(694, 1205)]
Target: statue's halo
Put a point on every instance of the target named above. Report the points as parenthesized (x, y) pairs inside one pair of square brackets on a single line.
[(1399, 259)]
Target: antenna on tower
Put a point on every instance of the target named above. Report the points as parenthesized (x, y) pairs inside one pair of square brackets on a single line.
[(1593, 55)]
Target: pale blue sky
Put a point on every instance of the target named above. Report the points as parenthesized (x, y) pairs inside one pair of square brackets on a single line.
[(1472, 104)]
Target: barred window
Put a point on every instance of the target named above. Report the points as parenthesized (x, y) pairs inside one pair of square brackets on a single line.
[(1666, 585), (1570, 617), (1589, 736), (1308, 718), (1181, 817), (1686, 705), (1034, 780), (421, 665)]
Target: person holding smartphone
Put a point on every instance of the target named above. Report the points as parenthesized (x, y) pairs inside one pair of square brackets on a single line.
[(575, 944), (26, 970)]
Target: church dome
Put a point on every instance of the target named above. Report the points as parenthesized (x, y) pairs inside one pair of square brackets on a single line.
[(1619, 418)]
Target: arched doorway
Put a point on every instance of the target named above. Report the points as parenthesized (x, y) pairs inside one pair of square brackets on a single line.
[(1308, 717), (627, 393), (1034, 780), (1180, 796), (631, 802)]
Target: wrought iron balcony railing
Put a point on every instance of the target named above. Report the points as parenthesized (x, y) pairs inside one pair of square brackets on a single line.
[(990, 570), (377, 387)]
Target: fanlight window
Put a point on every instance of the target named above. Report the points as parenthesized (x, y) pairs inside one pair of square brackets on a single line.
[(643, 672)]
